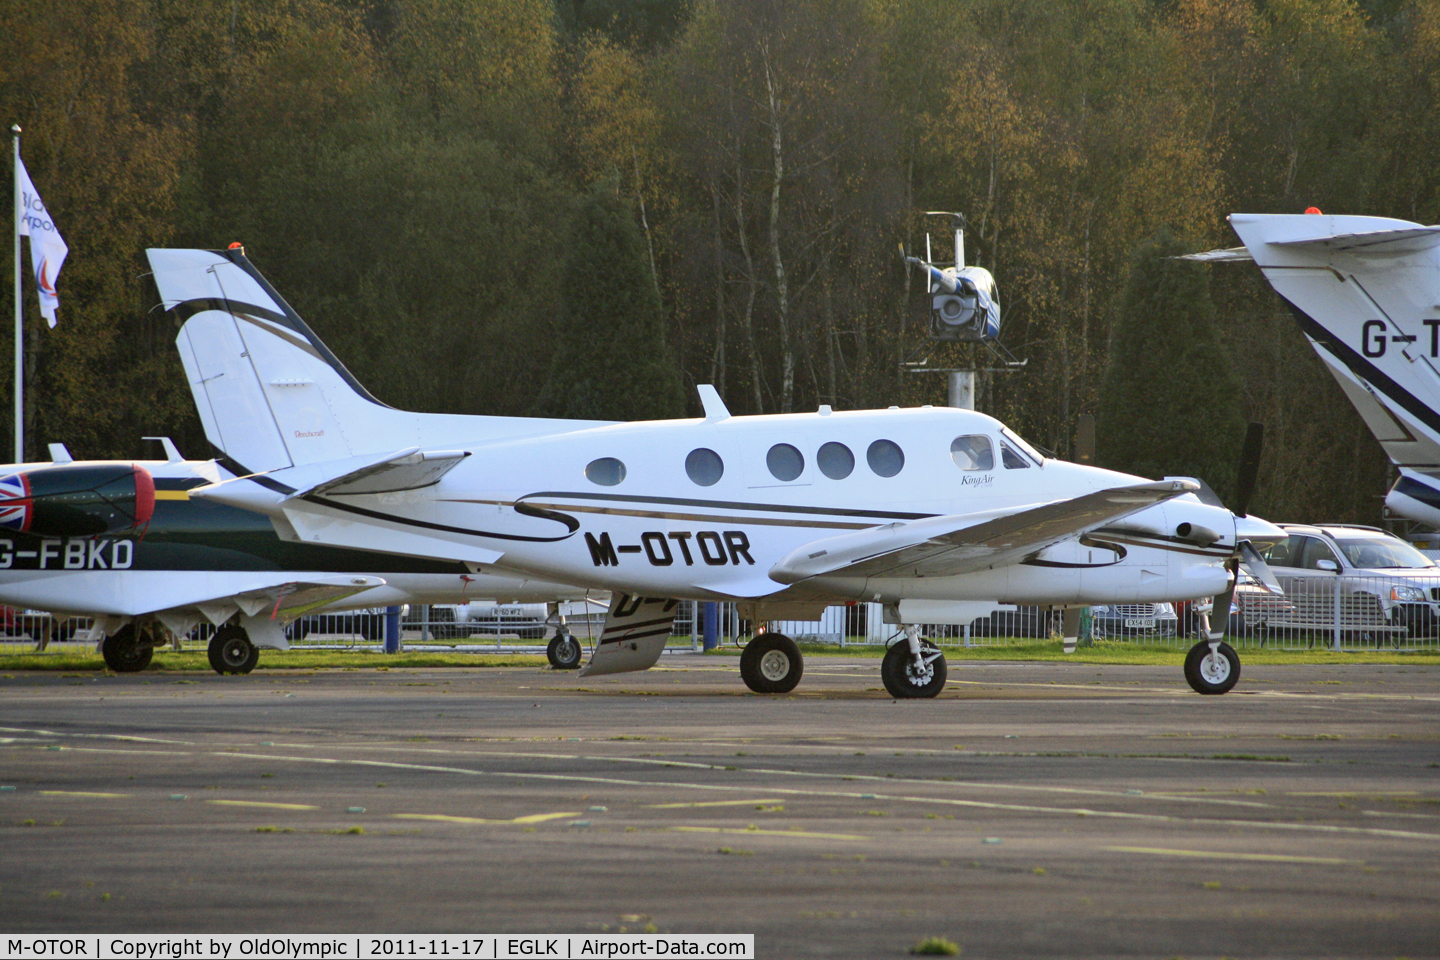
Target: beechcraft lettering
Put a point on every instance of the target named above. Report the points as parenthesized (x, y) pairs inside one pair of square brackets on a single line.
[(663, 549), (86, 554)]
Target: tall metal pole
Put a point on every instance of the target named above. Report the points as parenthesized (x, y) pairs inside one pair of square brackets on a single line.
[(19, 315)]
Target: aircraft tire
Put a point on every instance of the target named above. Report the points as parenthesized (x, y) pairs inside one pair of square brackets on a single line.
[(231, 651), (124, 653), (897, 672), (564, 652), (1212, 675), (771, 663)]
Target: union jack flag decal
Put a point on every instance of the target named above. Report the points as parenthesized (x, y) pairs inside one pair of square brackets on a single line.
[(15, 504)]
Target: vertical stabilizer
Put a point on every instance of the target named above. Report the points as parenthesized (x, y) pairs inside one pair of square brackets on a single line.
[(1366, 291)]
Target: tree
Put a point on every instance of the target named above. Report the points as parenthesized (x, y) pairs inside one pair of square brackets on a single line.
[(612, 362), (1170, 400)]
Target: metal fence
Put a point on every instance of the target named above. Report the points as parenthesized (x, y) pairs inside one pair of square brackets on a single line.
[(1321, 612)]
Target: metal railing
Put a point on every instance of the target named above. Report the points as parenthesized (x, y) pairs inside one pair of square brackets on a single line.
[(1323, 612)]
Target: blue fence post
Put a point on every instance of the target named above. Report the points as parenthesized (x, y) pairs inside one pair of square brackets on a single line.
[(392, 629), (711, 616)]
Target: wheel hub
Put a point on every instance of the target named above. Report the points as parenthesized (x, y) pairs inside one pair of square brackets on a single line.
[(919, 674), (1215, 668), (775, 665), (234, 652)]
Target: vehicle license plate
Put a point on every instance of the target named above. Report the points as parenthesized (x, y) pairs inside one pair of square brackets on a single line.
[(1147, 623)]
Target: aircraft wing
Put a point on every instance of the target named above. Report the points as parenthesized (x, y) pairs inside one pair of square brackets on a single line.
[(286, 601), (963, 543)]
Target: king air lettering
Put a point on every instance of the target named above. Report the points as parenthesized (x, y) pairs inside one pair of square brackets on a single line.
[(84, 554), (1375, 338), (711, 547)]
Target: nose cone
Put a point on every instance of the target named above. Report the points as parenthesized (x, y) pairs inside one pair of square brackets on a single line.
[(1260, 532)]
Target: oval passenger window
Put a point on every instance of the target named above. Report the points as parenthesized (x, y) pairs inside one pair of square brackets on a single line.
[(704, 467), (835, 460), (785, 462), (607, 471), (885, 457)]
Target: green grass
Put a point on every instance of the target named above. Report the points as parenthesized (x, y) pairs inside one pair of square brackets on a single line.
[(1103, 652)]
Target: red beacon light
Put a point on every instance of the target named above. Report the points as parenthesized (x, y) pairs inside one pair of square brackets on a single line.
[(237, 245), (1313, 210)]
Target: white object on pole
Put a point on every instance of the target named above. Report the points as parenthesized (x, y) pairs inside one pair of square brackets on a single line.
[(47, 248)]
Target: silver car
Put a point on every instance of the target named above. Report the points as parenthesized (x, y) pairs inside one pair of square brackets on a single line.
[(1377, 581)]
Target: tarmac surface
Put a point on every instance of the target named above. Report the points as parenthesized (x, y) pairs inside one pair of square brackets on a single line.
[(1033, 810)]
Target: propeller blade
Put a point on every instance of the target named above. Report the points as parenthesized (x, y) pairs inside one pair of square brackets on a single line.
[(1249, 468), (1256, 566)]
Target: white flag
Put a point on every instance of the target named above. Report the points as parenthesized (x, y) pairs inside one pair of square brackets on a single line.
[(47, 248)]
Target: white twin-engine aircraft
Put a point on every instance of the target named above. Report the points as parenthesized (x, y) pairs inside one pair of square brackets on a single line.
[(935, 513), (1366, 291)]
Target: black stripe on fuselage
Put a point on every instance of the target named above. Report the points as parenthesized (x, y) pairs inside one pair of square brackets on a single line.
[(569, 522), (1364, 369), (292, 319)]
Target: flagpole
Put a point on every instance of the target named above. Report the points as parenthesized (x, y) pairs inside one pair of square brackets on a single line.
[(19, 316)]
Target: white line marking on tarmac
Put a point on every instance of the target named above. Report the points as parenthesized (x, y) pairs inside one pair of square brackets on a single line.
[(1014, 807), (768, 833), (1216, 855)]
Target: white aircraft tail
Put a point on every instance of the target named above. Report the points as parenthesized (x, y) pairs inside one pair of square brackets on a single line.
[(1366, 291), (271, 395)]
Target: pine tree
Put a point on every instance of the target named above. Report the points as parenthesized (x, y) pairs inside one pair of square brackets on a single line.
[(611, 362), (1169, 404)]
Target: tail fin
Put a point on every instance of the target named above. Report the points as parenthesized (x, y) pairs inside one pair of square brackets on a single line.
[(1366, 291), (270, 394)]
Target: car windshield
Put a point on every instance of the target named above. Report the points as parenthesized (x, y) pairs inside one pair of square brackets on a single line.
[(1382, 553)]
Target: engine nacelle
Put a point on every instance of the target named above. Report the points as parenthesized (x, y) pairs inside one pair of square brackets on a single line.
[(77, 500)]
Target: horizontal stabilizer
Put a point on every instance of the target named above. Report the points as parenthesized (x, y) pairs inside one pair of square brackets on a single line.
[(408, 470), (1406, 240), (962, 543), (1227, 255)]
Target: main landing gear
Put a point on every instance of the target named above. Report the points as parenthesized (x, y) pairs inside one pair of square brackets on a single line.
[(564, 652), (913, 668), (771, 663), (231, 651), (128, 650)]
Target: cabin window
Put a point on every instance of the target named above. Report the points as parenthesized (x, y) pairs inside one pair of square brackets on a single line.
[(885, 457), (704, 467), (973, 452), (785, 462), (1011, 457), (835, 460), (607, 471)]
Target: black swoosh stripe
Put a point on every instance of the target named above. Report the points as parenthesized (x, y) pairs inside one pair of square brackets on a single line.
[(427, 525)]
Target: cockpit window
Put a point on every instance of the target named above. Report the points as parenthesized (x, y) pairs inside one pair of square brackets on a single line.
[(1020, 444), (973, 452), (1011, 458)]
